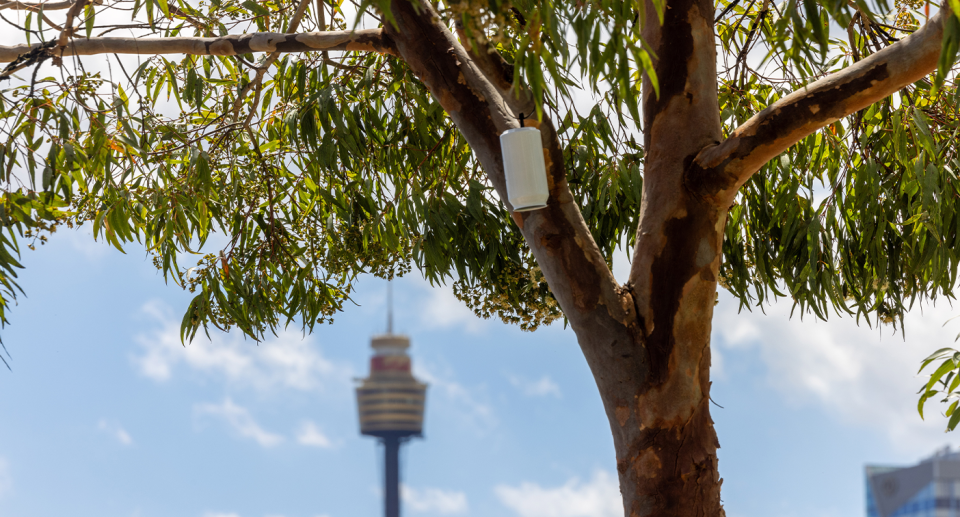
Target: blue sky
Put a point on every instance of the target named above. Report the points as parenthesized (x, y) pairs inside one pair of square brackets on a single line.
[(106, 414)]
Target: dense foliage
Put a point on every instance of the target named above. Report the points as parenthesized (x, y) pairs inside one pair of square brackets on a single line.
[(267, 184)]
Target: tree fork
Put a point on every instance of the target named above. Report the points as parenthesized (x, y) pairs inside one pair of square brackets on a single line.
[(720, 170)]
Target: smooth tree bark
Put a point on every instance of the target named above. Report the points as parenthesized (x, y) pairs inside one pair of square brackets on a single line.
[(647, 342), (232, 45)]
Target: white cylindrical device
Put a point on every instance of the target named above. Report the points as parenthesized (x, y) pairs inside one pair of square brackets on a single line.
[(524, 168)]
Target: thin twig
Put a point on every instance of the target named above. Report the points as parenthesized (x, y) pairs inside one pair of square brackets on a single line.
[(730, 6), (741, 58), (50, 22), (192, 21), (262, 69), (23, 29), (853, 41)]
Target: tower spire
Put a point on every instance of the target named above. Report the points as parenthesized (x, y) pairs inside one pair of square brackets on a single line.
[(390, 307)]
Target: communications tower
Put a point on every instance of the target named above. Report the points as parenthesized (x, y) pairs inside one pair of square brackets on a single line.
[(391, 402)]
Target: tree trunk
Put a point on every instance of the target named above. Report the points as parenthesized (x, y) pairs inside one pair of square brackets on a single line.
[(648, 343), (663, 434)]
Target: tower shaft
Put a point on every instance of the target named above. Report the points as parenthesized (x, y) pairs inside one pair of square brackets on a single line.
[(391, 487)]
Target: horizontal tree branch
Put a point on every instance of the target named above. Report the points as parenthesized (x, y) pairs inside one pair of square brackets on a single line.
[(36, 6), (366, 40), (718, 171)]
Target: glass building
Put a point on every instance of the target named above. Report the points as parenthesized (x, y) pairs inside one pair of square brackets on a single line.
[(929, 489)]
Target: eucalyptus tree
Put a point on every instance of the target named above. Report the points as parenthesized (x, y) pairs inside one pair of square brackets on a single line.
[(801, 149)]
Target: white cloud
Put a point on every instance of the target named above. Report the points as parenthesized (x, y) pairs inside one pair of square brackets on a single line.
[(6, 480), (82, 241), (442, 309), (478, 415), (599, 497), (288, 360), (309, 434), (240, 420), (116, 431), (866, 377), (433, 500), (539, 388)]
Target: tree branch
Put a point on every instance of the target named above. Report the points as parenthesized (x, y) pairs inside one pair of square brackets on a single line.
[(483, 105), (678, 123), (366, 40), (67, 31), (37, 6), (718, 171)]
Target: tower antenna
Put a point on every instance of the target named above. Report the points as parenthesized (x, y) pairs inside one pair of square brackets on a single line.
[(390, 307)]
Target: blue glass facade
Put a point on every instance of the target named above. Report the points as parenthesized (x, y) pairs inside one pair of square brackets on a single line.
[(929, 489)]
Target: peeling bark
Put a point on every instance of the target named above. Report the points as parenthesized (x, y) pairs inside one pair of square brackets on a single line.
[(720, 170), (666, 449)]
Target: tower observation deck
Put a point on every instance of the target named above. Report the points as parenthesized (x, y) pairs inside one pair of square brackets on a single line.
[(391, 402)]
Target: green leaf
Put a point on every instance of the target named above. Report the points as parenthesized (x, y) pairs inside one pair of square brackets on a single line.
[(949, 44), (945, 367), (813, 18), (954, 420), (164, 7), (89, 15), (923, 399), (255, 8), (936, 355)]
